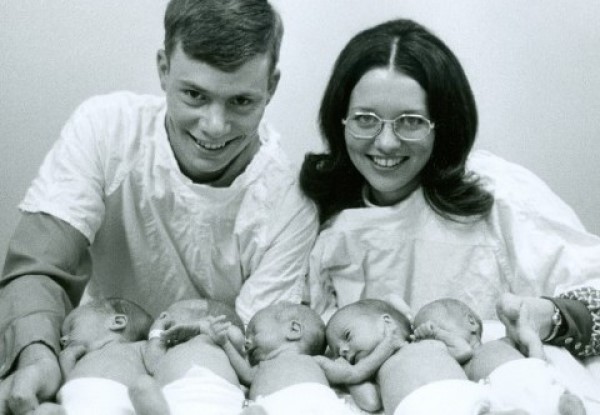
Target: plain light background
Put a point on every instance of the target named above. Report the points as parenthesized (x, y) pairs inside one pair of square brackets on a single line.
[(533, 65)]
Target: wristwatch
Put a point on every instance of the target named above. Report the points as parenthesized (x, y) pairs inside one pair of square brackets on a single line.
[(556, 323)]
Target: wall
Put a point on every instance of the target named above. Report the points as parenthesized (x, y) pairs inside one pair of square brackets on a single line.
[(532, 65)]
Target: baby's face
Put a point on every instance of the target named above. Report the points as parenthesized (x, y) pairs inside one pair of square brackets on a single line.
[(264, 335), (83, 326), (354, 335), (181, 312)]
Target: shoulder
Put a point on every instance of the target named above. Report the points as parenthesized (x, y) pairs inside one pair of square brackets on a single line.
[(272, 176), (517, 189)]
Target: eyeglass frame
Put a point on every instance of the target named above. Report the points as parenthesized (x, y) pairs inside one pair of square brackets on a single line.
[(383, 122)]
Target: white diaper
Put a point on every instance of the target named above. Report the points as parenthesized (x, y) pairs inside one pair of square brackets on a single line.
[(304, 399), (529, 384), (201, 391), (446, 397), (95, 396)]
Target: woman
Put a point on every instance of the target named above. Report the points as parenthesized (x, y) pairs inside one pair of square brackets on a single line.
[(408, 212)]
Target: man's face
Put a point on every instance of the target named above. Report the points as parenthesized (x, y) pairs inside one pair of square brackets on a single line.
[(213, 116)]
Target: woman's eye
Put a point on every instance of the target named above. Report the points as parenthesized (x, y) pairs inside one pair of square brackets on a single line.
[(411, 122), (347, 335), (365, 120)]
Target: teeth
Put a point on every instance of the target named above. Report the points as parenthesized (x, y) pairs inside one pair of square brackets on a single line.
[(209, 146), (387, 161)]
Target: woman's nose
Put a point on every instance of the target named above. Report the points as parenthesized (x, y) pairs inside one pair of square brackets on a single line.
[(387, 141)]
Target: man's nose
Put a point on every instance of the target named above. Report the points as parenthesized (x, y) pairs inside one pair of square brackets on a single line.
[(214, 121)]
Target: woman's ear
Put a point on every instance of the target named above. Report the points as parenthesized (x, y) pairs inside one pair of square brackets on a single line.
[(117, 322), (294, 330)]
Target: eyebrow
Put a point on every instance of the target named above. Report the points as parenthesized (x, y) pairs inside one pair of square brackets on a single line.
[(192, 85)]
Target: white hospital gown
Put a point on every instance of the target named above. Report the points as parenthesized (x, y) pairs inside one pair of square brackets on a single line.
[(157, 237), (532, 243)]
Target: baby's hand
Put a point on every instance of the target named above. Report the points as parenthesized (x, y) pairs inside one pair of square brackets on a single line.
[(180, 333), (336, 371), (218, 330), (427, 330), (73, 352)]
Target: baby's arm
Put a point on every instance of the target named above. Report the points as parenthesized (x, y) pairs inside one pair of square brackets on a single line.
[(340, 371), (220, 332), (458, 347), (366, 396), (154, 350), (68, 358)]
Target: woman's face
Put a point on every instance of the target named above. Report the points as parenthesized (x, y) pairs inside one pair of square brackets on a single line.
[(391, 166)]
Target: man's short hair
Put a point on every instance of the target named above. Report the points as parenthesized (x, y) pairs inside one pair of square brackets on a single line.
[(223, 33)]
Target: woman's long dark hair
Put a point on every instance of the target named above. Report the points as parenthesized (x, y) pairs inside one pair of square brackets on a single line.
[(331, 179)]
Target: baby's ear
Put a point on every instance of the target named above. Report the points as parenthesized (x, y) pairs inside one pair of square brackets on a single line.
[(294, 330), (387, 319), (117, 322), (473, 324)]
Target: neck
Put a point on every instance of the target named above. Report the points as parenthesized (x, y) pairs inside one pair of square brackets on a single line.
[(238, 165)]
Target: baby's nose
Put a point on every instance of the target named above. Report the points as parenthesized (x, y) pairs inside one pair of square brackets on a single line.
[(64, 341)]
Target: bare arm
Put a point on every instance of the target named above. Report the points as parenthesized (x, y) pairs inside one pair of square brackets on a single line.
[(68, 358), (458, 347), (366, 396), (40, 281), (340, 371), (219, 334)]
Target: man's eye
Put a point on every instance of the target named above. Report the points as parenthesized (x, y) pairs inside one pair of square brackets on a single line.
[(241, 101), (347, 335), (193, 95)]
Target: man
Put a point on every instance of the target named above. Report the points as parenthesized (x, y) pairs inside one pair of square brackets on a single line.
[(159, 200)]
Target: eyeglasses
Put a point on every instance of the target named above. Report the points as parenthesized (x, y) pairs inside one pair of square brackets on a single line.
[(408, 127)]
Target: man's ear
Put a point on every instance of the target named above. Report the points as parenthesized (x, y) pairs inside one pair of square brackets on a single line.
[(162, 63), (294, 330), (273, 82), (117, 322)]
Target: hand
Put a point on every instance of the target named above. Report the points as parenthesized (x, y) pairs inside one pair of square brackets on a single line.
[(36, 379), (72, 352), (336, 371), (180, 333), (527, 321), (218, 330), (426, 330)]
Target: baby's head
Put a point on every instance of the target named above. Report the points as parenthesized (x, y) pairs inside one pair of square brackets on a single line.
[(356, 329), (107, 317), (192, 310), (284, 326), (452, 315)]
